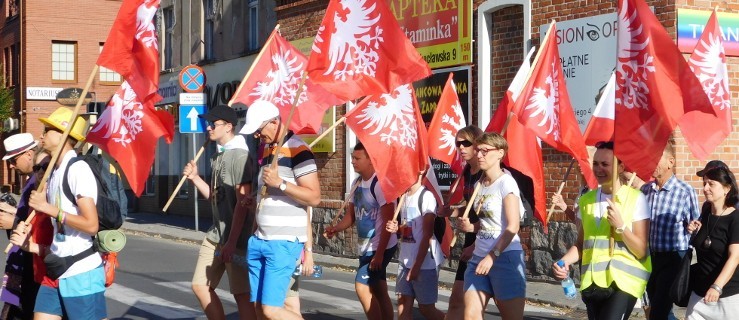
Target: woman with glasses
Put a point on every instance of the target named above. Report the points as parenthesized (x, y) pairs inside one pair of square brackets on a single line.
[(496, 268), (470, 175), (714, 280)]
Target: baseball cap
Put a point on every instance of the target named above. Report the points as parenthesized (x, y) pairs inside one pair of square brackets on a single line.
[(259, 112), (221, 112), (17, 144), (713, 164)]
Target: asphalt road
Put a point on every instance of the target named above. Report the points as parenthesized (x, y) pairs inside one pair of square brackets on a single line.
[(153, 282)]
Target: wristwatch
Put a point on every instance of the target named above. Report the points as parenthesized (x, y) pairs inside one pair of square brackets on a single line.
[(283, 185), (621, 229), (496, 253)]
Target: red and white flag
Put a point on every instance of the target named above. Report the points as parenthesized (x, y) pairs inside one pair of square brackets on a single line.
[(654, 88), (600, 127), (131, 48), (524, 150), (276, 77), (448, 120), (128, 131), (360, 50), (393, 133), (544, 107), (708, 61)]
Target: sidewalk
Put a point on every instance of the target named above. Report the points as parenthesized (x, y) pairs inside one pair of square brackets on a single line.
[(181, 228)]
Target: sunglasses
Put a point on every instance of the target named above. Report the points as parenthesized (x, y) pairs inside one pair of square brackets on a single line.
[(484, 151), (464, 143), (214, 124)]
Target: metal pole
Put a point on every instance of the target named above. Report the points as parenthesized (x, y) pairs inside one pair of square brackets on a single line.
[(194, 188)]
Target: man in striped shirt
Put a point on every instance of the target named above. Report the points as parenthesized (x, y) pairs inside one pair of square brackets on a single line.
[(673, 204), (281, 222)]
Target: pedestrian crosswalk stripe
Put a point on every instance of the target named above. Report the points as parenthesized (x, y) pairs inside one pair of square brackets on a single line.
[(186, 286), (153, 305)]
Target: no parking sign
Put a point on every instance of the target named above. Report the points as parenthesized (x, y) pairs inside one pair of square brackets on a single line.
[(192, 79)]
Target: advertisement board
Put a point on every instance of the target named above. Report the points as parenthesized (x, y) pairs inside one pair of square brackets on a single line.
[(690, 24), (428, 92), (440, 30)]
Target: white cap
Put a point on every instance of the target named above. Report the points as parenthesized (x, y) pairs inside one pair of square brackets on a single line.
[(257, 113), (17, 144)]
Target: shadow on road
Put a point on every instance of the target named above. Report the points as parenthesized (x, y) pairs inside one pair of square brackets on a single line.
[(323, 316)]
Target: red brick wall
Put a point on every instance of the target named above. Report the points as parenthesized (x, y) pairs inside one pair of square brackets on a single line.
[(85, 22)]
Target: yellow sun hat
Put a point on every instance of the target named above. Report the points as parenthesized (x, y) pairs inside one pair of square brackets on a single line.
[(59, 120)]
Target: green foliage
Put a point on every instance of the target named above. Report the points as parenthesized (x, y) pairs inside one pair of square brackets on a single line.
[(6, 100)]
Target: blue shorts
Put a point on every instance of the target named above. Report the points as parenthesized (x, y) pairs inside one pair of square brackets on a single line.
[(368, 277), (506, 279), (425, 289), (78, 297), (271, 266)]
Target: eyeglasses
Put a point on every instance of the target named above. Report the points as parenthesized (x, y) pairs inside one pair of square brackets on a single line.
[(464, 143), (484, 151), (13, 160), (213, 124)]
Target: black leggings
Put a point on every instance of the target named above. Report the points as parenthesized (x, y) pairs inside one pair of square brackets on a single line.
[(616, 307)]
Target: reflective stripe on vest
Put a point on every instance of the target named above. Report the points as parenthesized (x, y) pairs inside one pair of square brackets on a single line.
[(598, 267)]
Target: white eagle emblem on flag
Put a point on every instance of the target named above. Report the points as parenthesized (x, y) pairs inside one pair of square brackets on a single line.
[(634, 63), (395, 120), (123, 116), (709, 64), (354, 44), (284, 81), (544, 102)]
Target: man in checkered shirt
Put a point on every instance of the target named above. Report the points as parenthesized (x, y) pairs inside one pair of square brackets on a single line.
[(673, 204)]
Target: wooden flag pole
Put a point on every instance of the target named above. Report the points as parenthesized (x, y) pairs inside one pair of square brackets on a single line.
[(56, 153), (327, 131), (335, 220), (467, 209), (251, 68), (182, 180), (402, 198), (283, 133), (616, 184), (559, 191)]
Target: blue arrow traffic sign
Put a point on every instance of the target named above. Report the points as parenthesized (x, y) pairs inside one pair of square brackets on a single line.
[(189, 120)]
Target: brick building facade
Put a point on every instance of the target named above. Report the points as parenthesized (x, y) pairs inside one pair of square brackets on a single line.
[(49, 46), (503, 30)]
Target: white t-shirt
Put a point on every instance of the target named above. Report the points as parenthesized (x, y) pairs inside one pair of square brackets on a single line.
[(641, 213), (492, 215), (82, 183), (367, 216), (411, 232)]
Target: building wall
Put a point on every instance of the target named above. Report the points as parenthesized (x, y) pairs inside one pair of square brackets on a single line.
[(43, 23), (299, 19)]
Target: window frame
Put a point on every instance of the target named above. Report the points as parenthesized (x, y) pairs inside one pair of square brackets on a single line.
[(103, 70), (75, 62)]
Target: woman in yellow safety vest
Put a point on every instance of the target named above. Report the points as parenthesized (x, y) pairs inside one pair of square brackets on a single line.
[(612, 277)]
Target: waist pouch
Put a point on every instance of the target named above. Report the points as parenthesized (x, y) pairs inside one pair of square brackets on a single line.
[(56, 266)]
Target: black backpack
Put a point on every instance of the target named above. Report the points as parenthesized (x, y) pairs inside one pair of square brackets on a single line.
[(109, 203)]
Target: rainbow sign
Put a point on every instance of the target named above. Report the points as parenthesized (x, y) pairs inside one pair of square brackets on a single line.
[(690, 24)]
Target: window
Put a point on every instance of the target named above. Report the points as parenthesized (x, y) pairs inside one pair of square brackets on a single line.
[(209, 30), (13, 8), (7, 61), (169, 22), (14, 69), (64, 61), (253, 25), (108, 76)]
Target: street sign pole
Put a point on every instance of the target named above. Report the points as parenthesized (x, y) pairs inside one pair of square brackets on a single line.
[(195, 189)]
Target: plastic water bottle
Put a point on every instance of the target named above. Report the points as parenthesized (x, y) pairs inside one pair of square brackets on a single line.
[(567, 284), (317, 271)]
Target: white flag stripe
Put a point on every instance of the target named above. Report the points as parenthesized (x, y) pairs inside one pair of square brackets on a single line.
[(607, 102), (186, 286), (154, 305)]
